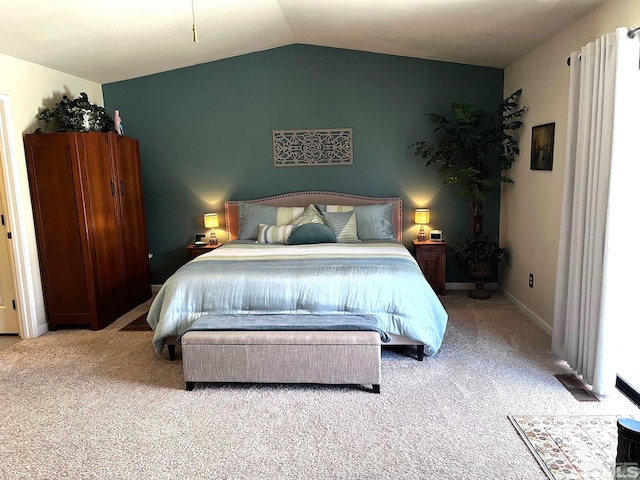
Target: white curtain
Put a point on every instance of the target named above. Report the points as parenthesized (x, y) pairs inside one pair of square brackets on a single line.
[(602, 105)]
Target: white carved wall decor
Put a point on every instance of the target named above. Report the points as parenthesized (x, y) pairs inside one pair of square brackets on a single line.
[(297, 148)]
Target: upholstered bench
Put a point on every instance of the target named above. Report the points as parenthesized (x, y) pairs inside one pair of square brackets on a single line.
[(268, 356)]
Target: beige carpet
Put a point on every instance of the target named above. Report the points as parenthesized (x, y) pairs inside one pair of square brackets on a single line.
[(79, 404)]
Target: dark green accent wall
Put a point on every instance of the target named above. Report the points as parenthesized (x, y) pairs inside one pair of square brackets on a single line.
[(205, 135)]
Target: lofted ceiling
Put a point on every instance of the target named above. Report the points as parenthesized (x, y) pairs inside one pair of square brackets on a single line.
[(108, 41)]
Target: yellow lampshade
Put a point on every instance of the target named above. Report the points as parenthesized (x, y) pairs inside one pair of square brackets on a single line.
[(422, 216), (211, 220)]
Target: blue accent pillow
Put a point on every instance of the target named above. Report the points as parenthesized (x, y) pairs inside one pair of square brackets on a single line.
[(311, 233), (250, 218), (375, 221)]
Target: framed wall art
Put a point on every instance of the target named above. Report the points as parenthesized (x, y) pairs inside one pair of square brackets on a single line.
[(305, 148), (542, 140)]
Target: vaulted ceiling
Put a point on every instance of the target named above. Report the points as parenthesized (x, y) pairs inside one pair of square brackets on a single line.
[(112, 40)]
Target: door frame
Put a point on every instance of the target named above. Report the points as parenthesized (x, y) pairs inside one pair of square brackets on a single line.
[(23, 249)]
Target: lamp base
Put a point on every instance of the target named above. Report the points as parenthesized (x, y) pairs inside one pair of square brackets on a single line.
[(213, 240), (422, 236)]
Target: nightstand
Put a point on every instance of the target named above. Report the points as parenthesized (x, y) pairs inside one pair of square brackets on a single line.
[(432, 258), (197, 250)]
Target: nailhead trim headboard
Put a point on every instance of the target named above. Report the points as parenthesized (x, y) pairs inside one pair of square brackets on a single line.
[(302, 199)]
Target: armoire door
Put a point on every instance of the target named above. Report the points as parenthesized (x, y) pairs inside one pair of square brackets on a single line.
[(134, 227), (54, 181), (100, 184)]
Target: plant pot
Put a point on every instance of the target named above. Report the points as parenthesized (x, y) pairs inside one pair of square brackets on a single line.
[(480, 273)]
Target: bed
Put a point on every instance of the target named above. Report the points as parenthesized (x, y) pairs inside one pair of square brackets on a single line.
[(358, 274)]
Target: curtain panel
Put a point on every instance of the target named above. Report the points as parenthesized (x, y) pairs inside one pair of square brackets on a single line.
[(586, 313)]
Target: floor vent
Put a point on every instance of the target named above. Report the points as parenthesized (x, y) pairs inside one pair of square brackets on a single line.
[(575, 386)]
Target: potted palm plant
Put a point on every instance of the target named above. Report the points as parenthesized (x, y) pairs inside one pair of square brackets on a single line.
[(476, 155), (480, 255)]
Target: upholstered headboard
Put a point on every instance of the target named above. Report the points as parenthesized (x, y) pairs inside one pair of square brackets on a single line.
[(302, 199)]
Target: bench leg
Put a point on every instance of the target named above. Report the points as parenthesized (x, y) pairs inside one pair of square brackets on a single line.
[(376, 388), (189, 385), (420, 349)]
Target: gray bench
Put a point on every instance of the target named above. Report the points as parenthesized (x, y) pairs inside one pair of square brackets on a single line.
[(284, 356)]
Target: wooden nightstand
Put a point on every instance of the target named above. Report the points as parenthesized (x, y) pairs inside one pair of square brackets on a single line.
[(432, 258), (197, 250)]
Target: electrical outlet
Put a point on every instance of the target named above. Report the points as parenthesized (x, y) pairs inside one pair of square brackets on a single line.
[(531, 280)]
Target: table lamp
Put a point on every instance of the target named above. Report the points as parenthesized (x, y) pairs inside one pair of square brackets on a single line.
[(211, 221), (422, 218)]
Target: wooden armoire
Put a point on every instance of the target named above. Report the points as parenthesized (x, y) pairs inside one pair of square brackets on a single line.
[(86, 192)]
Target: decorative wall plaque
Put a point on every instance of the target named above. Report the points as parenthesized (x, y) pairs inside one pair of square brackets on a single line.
[(305, 148)]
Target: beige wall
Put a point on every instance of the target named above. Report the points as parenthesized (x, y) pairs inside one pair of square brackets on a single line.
[(28, 87), (530, 209)]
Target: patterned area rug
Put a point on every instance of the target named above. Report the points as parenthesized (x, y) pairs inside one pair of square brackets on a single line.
[(571, 447)]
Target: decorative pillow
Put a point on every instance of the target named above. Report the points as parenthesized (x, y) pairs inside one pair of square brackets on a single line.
[(334, 208), (252, 215), (374, 221), (310, 215), (274, 234), (311, 233), (343, 225)]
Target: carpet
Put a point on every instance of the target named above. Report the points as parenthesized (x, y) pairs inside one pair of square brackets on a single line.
[(101, 405), (571, 447), (138, 325)]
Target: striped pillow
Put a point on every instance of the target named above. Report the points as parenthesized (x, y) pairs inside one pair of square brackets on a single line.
[(343, 225), (335, 208), (274, 233)]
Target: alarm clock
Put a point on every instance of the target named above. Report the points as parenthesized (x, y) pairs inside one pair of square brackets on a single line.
[(436, 236)]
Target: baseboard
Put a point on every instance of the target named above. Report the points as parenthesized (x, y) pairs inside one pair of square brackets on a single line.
[(527, 311), (41, 329), (469, 286)]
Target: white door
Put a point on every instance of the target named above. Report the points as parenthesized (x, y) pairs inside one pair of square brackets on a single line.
[(8, 314)]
